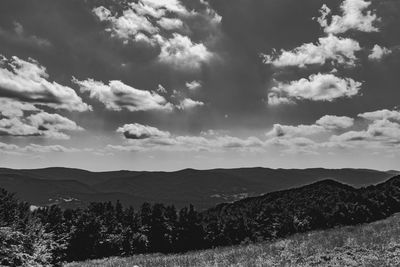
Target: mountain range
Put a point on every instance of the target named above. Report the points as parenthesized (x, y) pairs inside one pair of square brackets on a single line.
[(202, 188)]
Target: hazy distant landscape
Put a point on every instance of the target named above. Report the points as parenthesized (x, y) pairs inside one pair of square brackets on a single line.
[(202, 188)]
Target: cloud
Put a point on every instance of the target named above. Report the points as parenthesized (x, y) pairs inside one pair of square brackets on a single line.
[(355, 16), (181, 53), (20, 36), (143, 137), (126, 26), (188, 103), (193, 85), (378, 52), (27, 81), (340, 50), (13, 108), (139, 131), (163, 6), (170, 23), (16, 127), (294, 145), (162, 23), (335, 122), (318, 87), (117, 96), (34, 148), (279, 130), (380, 133), (161, 89), (383, 114), (38, 124), (51, 125)]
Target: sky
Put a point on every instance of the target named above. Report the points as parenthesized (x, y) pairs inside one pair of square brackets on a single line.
[(173, 84)]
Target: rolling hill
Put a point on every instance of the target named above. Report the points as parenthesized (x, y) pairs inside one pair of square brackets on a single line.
[(202, 188), (373, 244)]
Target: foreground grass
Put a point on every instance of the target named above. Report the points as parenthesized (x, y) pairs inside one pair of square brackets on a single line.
[(374, 244)]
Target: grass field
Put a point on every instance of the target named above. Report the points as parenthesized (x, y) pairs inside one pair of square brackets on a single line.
[(374, 244)]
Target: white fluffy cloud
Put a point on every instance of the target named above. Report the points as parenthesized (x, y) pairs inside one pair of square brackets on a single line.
[(340, 50), (378, 52), (180, 52), (355, 16), (335, 122), (126, 26), (117, 96), (380, 133), (158, 8), (139, 131), (193, 85), (170, 23), (26, 81), (162, 23), (38, 124), (34, 148), (188, 103), (279, 130), (13, 108), (143, 137), (383, 114), (318, 87)]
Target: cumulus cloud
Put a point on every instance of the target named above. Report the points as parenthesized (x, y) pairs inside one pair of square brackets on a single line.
[(170, 23), (294, 145), (355, 16), (52, 125), (13, 108), (126, 26), (383, 130), (139, 131), (193, 85), (117, 96), (303, 138), (27, 81), (318, 87), (335, 122), (34, 148), (279, 130), (188, 103), (383, 114), (16, 127), (38, 124), (378, 52), (161, 89), (180, 52), (162, 23), (158, 8), (379, 133), (143, 137), (340, 50)]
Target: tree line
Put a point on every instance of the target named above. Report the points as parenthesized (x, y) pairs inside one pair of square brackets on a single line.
[(51, 235)]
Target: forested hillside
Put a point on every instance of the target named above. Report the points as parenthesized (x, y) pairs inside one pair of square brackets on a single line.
[(372, 244), (51, 235)]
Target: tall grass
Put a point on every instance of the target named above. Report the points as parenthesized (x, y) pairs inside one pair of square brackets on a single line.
[(374, 244)]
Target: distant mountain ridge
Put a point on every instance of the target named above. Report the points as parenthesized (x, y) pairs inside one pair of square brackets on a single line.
[(202, 188)]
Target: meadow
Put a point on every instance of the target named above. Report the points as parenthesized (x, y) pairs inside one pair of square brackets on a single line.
[(372, 244)]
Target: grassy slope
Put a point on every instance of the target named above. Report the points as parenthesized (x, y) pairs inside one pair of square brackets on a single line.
[(374, 244)]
